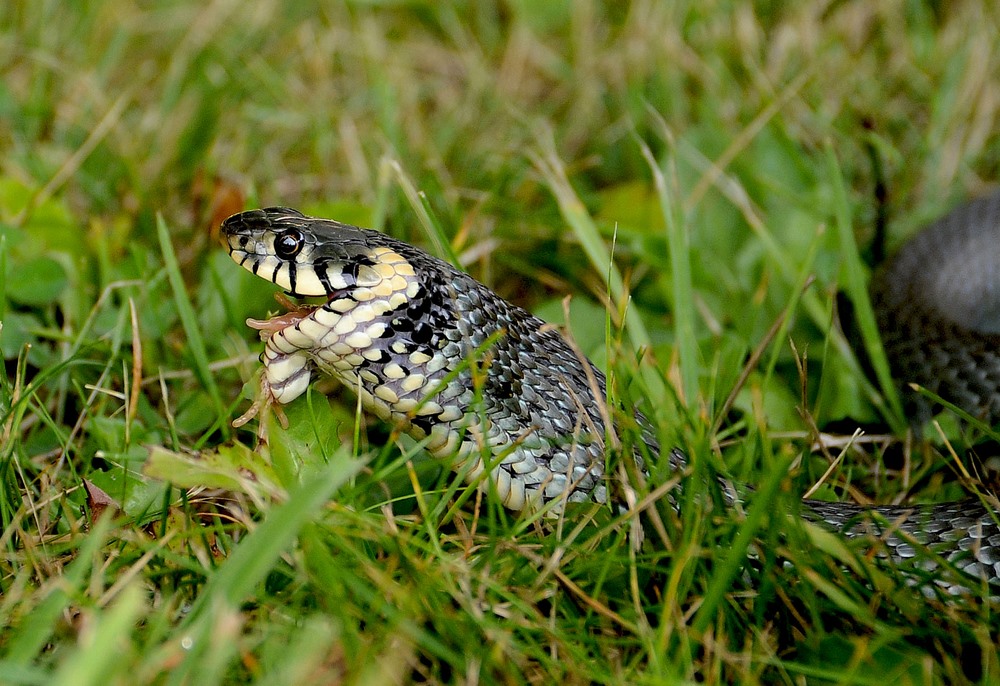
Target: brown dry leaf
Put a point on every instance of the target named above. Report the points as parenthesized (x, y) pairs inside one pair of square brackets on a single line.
[(98, 501), (222, 198)]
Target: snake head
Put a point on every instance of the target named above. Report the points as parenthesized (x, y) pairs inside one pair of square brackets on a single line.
[(308, 256)]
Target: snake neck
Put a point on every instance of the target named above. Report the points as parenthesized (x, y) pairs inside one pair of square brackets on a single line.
[(456, 366)]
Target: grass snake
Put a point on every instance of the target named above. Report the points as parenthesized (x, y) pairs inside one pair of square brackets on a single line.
[(511, 403)]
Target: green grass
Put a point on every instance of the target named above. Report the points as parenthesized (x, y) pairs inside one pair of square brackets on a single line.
[(696, 175)]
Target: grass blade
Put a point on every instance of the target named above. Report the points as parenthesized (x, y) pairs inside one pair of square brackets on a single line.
[(101, 647), (682, 293), (857, 291), (189, 321), (257, 553), (736, 555), (39, 625)]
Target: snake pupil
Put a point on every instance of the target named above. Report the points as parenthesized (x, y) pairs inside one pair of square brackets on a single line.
[(288, 244)]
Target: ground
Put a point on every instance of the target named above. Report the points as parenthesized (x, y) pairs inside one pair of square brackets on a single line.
[(704, 179)]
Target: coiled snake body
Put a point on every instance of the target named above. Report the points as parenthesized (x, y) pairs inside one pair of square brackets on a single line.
[(495, 389)]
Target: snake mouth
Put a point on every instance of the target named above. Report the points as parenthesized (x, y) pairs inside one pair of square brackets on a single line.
[(294, 313), (297, 307), (292, 300)]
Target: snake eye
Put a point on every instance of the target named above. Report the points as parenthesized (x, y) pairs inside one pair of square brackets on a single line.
[(288, 244)]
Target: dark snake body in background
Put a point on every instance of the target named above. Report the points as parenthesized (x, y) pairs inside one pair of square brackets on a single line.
[(938, 307), (494, 389)]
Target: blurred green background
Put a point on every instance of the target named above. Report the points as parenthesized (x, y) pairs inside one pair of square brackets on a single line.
[(723, 150)]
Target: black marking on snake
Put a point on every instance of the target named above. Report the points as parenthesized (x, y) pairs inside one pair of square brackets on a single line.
[(422, 334), (424, 423), (320, 268), (419, 306), (351, 268), (502, 388), (362, 261)]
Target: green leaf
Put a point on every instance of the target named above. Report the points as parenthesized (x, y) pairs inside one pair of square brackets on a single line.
[(18, 330), (234, 467), (137, 496), (311, 439), (38, 281)]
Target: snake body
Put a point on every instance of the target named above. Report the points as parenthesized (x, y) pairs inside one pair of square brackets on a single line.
[(489, 386), (938, 307)]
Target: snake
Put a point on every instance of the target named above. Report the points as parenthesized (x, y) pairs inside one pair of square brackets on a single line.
[(513, 406)]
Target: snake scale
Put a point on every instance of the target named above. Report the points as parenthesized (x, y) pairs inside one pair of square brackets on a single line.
[(492, 388)]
